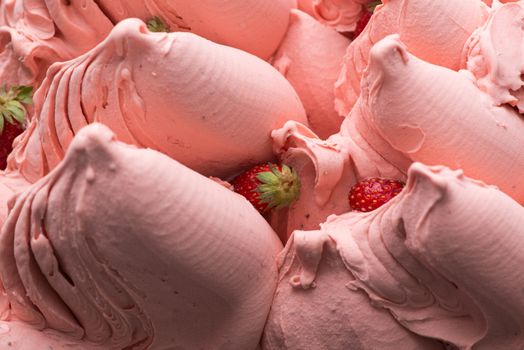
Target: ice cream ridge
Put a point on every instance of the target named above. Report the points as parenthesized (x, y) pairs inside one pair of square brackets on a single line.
[(262, 175)]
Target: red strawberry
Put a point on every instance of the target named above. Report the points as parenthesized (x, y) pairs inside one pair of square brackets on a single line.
[(268, 186), (372, 193), (10, 132), (362, 23), (12, 117), (364, 19)]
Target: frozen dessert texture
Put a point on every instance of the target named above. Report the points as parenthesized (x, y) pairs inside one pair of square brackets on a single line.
[(442, 258), (209, 106), (10, 185), (409, 110), (21, 336), (329, 168), (124, 247), (310, 57), (36, 33), (255, 26), (342, 15), (435, 115), (126, 244), (495, 55), (329, 315), (434, 31)]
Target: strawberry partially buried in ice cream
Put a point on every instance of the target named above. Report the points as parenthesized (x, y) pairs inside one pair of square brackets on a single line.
[(372, 193), (268, 186), (12, 117), (364, 19)]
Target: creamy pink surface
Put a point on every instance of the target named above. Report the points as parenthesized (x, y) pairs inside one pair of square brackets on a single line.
[(310, 57), (209, 106), (36, 33), (410, 110), (342, 15), (495, 55), (443, 257), (434, 115), (306, 6), (329, 315), (124, 247), (328, 169), (256, 26), (435, 31), (10, 184)]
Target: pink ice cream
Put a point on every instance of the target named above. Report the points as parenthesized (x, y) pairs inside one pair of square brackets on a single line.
[(310, 57), (328, 168), (451, 122), (495, 55), (155, 256), (10, 184), (434, 31), (439, 116), (443, 258), (208, 106), (255, 26), (119, 245), (342, 15), (36, 33), (400, 119)]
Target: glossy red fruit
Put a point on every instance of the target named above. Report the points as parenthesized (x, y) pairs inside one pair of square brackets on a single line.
[(10, 132), (372, 193), (365, 17), (268, 186), (362, 23)]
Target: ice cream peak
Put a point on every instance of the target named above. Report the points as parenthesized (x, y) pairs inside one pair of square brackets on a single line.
[(443, 257), (174, 92), (263, 23), (125, 247), (435, 115), (495, 55), (434, 31)]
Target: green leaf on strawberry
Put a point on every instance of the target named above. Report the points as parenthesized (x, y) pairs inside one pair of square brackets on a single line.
[(371, 6), (12, 104), (157, 25), (268, 186)]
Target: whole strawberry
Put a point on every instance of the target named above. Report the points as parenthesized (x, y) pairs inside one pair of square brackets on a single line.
[(372, 193), (365, 17), (12, 117), (268, 186)]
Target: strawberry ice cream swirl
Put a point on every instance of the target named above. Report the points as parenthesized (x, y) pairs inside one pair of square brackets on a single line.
[(329, 167), (342, 15), (174, 92), (420, 26), (254, 26), (437, 116), (442, 257), (495, 55), (125, 248), (35, 34)]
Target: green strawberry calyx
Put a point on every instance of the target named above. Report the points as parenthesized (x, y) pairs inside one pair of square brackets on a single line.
[(278, 187), (12, 104), (157, 25), (372, 5)]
